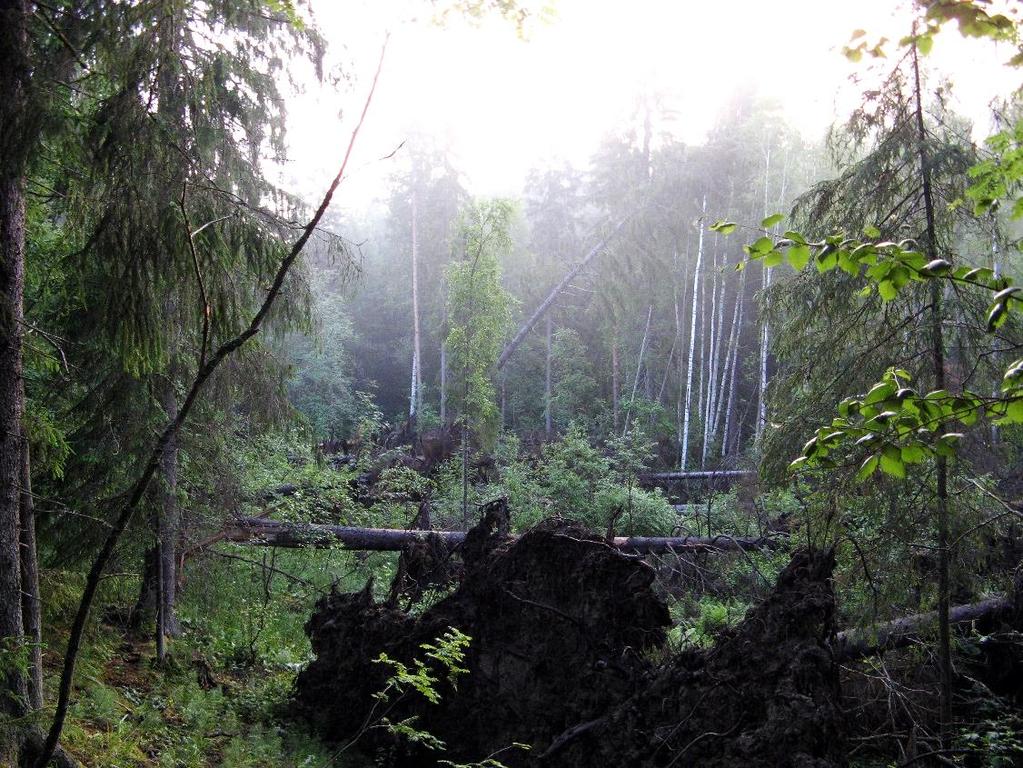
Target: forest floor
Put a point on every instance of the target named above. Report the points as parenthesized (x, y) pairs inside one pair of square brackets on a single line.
[(199, 709)]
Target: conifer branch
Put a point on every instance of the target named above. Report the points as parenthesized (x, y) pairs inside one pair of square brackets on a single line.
[(142, 484)]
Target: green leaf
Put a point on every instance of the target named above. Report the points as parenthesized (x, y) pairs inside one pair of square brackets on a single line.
[(924, 43), (871, 231), (996, 317), (887, 290), (879, 393), (868, 467), (798, 463), (1013, 413), (891, 462), (827, 258), (762, 245), (798, 256), (723, 227), (913, 454), (773, 259), (770, 221)]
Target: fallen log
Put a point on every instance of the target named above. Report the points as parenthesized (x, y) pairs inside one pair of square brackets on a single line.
[(271, 533), (867, 641), (654, 478), (509, 350)]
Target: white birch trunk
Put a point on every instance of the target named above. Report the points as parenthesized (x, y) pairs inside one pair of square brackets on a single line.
[(547, 416), (733, 333), (729, 409), (415, 396), (765, 332), (684, 451), (639, 367)]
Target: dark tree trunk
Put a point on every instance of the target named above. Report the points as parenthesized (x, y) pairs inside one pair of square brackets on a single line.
[(941, 466), (169, 522), (30, 606), (145, 603), (14, 75)]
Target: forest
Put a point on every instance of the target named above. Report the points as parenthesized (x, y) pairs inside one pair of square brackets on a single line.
[(379, 386)]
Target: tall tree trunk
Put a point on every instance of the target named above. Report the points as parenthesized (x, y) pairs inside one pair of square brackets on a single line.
[(639, 367), (547, 397), (443, 384), (615, 381), (713, 346), (941, 465), (680, 312), (545, 305), (729, 409), (684, 450), (14, 75), (733, 333), (996, 267), (415, 397), (765, 332), (168, 523), (31, 613)]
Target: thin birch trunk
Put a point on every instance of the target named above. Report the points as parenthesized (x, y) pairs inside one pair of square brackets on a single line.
[(996, 268), (443, 384), (733, 334), (679, 314), (701, 400), (548, 425), (713, 345), (765, 333), (684, 451), (729, 410), (615, 384), (639, 367), (415, 395)]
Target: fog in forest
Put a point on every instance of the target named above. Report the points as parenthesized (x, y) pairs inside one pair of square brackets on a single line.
[(500, 384)]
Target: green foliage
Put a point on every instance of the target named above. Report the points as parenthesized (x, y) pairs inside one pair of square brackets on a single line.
[(478, 312), (576, 481), (895, 423)]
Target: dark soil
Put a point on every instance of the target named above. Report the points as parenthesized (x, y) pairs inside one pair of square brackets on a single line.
[(564, 632)]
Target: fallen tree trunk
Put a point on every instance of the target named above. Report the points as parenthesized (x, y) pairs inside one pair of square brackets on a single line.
[(857, 643), (271, 533), (509, 350), (654, 478)]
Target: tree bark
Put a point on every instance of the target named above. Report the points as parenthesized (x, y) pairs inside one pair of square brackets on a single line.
[(765, 331), (31, 613), (443, 384), (729, 408), (548, 419), (14, 76), (270, 533), (684, 449), (941, 466), (415, 398), (168, 524), (857, 643), (615, 382), (639, 367)]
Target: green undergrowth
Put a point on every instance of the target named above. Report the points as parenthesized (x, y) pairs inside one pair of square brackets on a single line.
[(221, 697)]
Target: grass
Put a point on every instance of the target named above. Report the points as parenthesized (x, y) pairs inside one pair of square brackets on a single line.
[(219, 699)]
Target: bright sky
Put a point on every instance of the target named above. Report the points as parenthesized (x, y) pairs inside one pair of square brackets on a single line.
[(505, 105)]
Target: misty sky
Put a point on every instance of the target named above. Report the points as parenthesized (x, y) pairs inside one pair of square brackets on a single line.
[(504, 105)]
